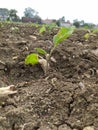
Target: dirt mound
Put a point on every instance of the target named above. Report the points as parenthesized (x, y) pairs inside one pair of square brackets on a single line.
[(65, 99)]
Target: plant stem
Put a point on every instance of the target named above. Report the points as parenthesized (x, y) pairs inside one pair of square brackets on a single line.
[(51, 51), (48, 58)]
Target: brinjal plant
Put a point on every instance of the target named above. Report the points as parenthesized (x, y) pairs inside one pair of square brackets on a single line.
[(42, 57), (14, 29), (91, 33), (42, 29), (46, 27)]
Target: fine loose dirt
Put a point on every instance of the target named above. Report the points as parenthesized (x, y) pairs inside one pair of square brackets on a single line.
[(66, 98)]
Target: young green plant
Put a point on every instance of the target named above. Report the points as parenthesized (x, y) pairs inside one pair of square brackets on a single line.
[(46, 27), (42, 29), (42, 57), (91, 33)]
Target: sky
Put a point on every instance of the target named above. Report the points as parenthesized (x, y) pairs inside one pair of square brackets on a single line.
[(86, 10)]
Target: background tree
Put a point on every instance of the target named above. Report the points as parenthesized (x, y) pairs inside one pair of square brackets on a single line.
[(81, 23), (76, 23), (4, 13), (89, 25), (37, 19), (30, 13), (60, 20), (13, 15)]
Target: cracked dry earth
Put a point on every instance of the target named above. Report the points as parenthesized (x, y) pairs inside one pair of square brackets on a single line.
[(65, 99)]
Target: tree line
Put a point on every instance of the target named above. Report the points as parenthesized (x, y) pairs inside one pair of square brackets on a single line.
[(31, 15), (11, 15)]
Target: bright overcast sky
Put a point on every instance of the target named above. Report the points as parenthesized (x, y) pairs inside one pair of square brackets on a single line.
[(86, 10)]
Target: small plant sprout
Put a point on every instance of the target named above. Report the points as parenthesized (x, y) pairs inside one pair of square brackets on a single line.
[(87, 35), (95, 30), (91, 33), (51, 26), (42, 57), (14, 29), (42, 29)]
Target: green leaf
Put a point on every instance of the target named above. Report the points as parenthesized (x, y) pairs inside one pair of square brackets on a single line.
[(62, 34), (42, 29), (32, 59), (41, 51), (95, 30), (51, 26), (14, 28), (87, 35)]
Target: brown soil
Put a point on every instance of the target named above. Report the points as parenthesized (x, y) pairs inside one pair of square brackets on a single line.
[(65, 99)]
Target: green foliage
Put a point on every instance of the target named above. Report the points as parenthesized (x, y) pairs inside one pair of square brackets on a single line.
[(86, 27), (42, 29), (7, 15), (1, 25), (46, 27), (87, 35), (32, 59), (95, 30), (13, 15), (41, 51), (30, 13), (34, 25), (61, 35), (14, 29), (51, 26), (4, 13), (76, 23), (35, 58)]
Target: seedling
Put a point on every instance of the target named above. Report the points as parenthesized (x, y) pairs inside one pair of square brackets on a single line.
[(42, 29), (87, 35), (42, 57), (91, 33), (1, 25), (51, 26), (95, 30), (14, 29), (34, 25)]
